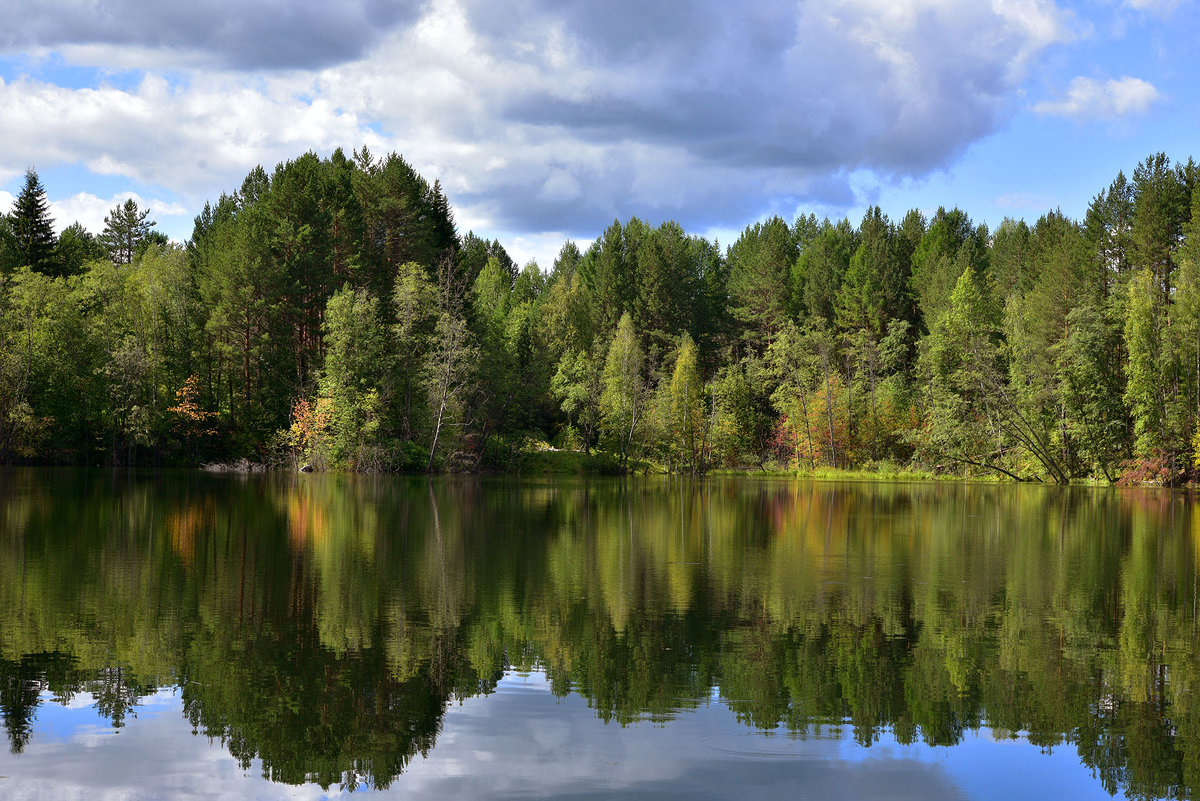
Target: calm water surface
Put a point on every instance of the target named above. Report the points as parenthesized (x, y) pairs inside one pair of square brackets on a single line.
[(312, 636)]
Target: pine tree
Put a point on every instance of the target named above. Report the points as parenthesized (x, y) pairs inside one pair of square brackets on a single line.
[(1159, 211), (442, 232), (1010, 258), (1156, 391), (972, 417), (760, 263), (1090, 388), (608, 270), (125, 229), (666, 278), (1057, 267)]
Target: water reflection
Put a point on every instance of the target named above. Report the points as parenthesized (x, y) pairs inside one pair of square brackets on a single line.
[(321, 628)]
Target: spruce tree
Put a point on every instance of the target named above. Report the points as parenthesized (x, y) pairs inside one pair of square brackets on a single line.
[(873, 289), (31, 227)]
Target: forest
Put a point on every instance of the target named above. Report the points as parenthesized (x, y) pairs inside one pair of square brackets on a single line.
[(328, 314)]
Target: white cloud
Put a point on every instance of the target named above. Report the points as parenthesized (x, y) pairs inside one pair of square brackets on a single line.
[(193, 139), (90, 210), (544, 117), (1088, 98), (541, 247)]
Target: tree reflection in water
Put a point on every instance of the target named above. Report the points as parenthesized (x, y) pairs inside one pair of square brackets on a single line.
[(324, 624)]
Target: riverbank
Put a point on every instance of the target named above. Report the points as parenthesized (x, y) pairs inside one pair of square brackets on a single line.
[(537, 458)]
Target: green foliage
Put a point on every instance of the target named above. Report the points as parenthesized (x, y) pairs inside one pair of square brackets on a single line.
[(126, 227), (578, 384), (1058, 273), (76, 247), (607, 270), (623, 398), (688, 425), (1143, 392), (875, 287), (950, 245), (449, 376), (1010, 260), (961, 371), (355, 375), (1160, 208), (816, 345), (1185, 329), (55, 362), (475, 253), (794, 366), (414, 304), (821, 266), (743, 418), (31, 229), (1089, 389), (759, 285)]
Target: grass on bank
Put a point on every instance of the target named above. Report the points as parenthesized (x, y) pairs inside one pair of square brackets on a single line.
[(882, 472), (539, 458), (536, 457)]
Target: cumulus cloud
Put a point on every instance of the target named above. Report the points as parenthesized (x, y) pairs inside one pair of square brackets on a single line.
[(542, 116), (1088, 98), (194, 139), (652, 108), (90, 210)]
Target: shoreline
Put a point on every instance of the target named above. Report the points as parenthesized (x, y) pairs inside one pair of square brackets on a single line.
[(565, 463)]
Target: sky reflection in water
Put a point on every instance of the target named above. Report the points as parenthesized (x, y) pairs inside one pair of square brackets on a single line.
[(522, 742), (190, 636)]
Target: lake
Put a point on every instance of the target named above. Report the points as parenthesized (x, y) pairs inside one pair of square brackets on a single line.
[(190, 635)]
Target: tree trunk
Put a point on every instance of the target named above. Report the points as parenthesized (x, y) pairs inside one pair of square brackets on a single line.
[(437, 430)]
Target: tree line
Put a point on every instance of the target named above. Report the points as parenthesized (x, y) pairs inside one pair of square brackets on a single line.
[(329, 313)]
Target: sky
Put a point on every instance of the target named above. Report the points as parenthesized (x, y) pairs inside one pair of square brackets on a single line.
[(546, 120)]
